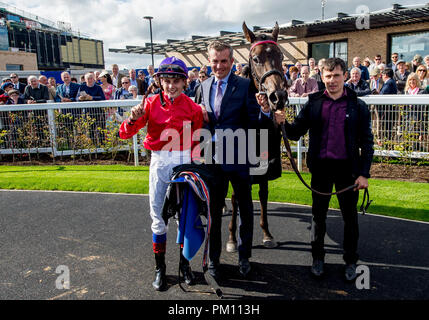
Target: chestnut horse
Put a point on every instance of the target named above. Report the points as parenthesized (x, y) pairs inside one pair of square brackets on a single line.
[(266, 75)]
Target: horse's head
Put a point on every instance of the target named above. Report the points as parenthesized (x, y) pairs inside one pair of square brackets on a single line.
[(265, 62)]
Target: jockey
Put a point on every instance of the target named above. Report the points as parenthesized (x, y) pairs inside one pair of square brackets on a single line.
[(167, 115)]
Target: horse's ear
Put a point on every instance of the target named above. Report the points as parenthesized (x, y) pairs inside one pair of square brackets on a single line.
[(275, 33), (250, 36)]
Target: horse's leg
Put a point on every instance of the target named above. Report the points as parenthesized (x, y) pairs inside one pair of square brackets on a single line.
[(268, 240), (231, 245)]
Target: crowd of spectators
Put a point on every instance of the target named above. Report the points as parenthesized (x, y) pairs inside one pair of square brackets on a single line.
[(92, 86), (365, 77)]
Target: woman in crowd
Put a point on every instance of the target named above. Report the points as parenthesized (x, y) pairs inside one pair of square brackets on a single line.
[(422, 73), (107, 85), (417, 114), (167, 110), (133, 90)]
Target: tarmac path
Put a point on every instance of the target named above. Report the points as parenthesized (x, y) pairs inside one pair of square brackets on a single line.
[(104, 242)]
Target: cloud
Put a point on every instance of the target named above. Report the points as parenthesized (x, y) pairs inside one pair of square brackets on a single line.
[(121, 23)]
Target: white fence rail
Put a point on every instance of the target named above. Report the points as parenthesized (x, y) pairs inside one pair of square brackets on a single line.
[(399, 122)]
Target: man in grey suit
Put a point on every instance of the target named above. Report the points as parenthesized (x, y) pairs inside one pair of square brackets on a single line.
[(230, 107)]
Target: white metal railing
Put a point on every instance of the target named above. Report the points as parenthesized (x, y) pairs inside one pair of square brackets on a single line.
[(400, 126)]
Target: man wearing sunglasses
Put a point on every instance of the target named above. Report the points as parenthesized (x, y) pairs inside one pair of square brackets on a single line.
[(123, 93), (16, 84)]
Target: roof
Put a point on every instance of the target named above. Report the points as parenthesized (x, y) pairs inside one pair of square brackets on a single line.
[(397, 15)]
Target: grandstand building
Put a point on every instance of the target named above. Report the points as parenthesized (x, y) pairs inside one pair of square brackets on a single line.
[(401, 29), (29, 42)]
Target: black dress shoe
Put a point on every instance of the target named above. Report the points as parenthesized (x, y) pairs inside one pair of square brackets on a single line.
[(213, 270), (244, 267), (187, 274), (317, 268)]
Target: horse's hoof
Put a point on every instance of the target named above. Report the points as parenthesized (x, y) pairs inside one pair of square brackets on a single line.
[(231, 246), (269, 243)]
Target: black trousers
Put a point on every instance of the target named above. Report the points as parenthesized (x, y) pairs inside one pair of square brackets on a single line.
[(325, 174), (242, 188)]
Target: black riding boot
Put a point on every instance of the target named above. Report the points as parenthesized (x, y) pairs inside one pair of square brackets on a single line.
[(185, 270), (160, 283)]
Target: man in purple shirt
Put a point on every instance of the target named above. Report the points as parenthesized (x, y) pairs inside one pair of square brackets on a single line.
[(340, 153)]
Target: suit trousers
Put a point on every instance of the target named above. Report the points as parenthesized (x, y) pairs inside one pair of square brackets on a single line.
[(325, 174), (241, 184)]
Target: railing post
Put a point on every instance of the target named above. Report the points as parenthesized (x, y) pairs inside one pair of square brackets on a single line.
[(53, 131), (136, 150)]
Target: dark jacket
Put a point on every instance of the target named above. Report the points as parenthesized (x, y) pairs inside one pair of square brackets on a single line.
[(401, 81), (361, 89), (40, 94), (359, 138), (389, 87)]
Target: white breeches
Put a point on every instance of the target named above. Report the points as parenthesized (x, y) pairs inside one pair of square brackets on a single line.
[(161, 167)]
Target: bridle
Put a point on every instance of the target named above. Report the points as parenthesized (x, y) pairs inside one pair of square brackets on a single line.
[(261, 81), (262, 89)]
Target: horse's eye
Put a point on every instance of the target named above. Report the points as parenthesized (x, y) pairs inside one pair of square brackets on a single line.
[(255, 59)]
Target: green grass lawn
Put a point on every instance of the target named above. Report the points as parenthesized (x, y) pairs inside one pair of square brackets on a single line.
[(408, 200)]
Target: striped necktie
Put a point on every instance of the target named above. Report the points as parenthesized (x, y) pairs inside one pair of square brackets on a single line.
[(218, 98)]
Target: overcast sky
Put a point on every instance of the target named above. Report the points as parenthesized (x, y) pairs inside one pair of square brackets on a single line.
[(120, 22)]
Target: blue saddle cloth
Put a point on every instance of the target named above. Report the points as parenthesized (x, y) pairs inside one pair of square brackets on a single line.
[(191, 231)]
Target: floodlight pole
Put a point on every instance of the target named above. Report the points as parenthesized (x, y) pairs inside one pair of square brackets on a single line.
[(323, 9), (151, 42)]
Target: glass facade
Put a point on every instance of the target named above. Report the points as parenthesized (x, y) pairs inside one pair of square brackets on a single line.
[(407, 45), (332, 49)]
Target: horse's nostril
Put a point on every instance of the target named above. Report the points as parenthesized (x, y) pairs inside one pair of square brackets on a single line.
[(273, 97)]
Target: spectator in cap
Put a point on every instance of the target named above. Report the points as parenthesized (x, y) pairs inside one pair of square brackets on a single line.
[(6, 87), (375, 81), (401, 76), (14, 97), (417, 60), (426, 61)]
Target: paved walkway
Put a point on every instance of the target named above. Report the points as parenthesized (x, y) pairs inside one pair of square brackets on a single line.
[(104, 240)]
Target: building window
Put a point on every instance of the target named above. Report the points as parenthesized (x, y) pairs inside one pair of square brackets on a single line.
[(14, 67), (332, 49), (407, 45)]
